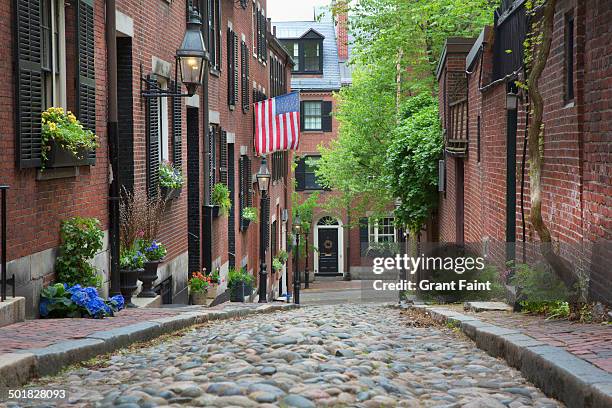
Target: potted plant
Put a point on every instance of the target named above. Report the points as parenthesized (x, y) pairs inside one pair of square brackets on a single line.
[(249, 215), (215, 281), (221, 200), (65, 142), (131, 264), (170, 180), (240, 283), (154, 252), (277, 264), (198, 288)]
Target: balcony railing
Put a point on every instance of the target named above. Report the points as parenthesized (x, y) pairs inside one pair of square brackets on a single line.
[(457, 129)]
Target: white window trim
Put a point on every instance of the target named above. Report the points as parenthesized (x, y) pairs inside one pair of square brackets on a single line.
[(164, 154), (374, 231)]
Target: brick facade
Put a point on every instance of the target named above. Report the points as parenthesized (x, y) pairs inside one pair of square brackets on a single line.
[(149, 34), (577, 156)]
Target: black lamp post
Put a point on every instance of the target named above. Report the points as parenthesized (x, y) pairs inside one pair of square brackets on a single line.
[(263, 180), (191, 58), (296, 272)]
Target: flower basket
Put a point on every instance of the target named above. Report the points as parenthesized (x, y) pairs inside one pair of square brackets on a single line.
[(199, 298), (58, 156), (171, 193)]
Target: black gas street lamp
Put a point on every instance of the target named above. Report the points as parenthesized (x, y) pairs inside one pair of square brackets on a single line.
[(263, 180), (191, 58)]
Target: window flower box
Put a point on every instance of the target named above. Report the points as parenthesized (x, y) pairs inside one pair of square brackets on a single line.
[(59, 156), (171, 193)]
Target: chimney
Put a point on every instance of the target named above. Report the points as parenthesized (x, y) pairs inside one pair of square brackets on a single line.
[(341, 13)]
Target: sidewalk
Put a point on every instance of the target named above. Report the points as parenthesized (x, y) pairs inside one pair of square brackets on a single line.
[(568, 361), (41, 347), (588, 341)]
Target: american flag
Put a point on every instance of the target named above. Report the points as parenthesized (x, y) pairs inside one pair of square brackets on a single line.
[(277, 124)]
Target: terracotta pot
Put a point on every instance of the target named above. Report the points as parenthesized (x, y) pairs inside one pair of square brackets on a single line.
[(199, 298)]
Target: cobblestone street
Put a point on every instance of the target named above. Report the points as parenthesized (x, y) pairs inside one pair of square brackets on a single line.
[(349, 355)]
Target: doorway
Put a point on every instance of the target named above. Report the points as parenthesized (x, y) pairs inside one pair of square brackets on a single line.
[(193, 189), (328, 256)]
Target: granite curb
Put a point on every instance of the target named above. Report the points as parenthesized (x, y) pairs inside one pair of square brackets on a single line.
[(18, 368), (558, 373)]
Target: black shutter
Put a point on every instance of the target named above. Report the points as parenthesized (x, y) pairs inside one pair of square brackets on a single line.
[(212, 157), (152, 135), (235, 66), (231, 219), (243, 4), (302, 113), (230, 66), (223, 157), (300, 175), (86, 78), (249, 184), (245, 76), (28, 95), (326, 119), (177, 127), (364, 236)]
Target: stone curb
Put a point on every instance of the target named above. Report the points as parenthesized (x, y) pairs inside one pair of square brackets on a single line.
[(558, 373), (18, 368)]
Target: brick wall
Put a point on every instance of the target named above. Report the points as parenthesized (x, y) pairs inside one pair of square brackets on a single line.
[(576, 173)]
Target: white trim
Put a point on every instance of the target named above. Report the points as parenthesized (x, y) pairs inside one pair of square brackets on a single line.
[(161, 67), (231, 137), (214, 117), (340, 244), (193, 101)]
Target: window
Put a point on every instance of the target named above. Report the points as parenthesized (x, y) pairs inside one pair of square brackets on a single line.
[(381, 230), (307, 55), (312, 53), (279, 165), (305, 174), (53, 53), (312, 115), (162, 114), (316, 116), (214, 33), (277, 77), (569, 56)]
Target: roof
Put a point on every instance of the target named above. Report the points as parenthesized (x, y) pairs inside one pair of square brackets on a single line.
[(454, 45), (331, 79)]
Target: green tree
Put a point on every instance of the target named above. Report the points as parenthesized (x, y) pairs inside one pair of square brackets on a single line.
[(396, 48), (411, 162)]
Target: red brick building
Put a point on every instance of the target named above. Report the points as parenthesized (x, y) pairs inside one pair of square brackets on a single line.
[(486, 190), (60, 59)]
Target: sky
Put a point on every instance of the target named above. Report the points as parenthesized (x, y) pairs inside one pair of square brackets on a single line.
[(293, 10)]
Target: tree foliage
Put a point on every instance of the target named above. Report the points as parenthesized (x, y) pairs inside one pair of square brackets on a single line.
[(396, 48), (411, 163)]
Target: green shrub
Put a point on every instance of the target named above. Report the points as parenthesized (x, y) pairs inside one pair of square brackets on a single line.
[(236, 277), (221, 198), (81, 240), (249, 213), (538, 284)]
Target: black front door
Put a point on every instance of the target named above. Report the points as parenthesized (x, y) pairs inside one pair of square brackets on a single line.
[(328, 250)]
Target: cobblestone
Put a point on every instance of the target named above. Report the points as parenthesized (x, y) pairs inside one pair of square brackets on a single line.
[(349, 355)]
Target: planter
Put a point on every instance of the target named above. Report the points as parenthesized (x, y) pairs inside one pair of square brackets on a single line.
[(240, 292), (58, 156), (215, 211), (171, 193), (129, 284), (213, 291), (244, 224), (199, 298), (148, 276)]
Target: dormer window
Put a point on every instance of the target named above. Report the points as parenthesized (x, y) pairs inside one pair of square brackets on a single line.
[(307, 53)]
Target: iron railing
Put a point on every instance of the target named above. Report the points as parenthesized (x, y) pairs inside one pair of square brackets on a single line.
[(4, 281), (510, 33)]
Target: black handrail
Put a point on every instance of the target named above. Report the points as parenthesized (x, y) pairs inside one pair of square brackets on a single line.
[(3, 279)]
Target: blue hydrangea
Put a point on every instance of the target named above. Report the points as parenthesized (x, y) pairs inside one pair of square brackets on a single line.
[(118, 301)]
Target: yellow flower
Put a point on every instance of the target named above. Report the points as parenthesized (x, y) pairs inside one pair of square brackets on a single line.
[(71, 117), (52, 127)]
